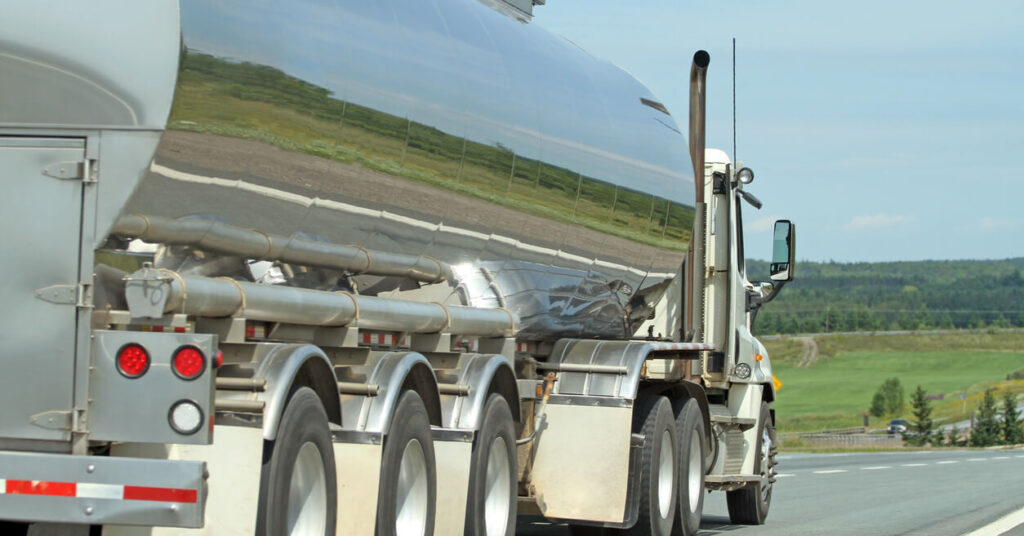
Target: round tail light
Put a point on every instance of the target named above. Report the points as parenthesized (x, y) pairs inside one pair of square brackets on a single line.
[(188, 362), (185, 417), (132, 360)]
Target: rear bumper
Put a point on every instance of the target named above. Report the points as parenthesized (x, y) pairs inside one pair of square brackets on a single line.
[(101, 490)]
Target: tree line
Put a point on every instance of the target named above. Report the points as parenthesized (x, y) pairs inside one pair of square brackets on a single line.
[(913, 295)]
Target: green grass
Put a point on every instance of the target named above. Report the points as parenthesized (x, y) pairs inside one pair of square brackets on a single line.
[(835, 392)]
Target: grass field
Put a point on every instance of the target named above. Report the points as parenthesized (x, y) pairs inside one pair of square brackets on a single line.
[(836, 390)]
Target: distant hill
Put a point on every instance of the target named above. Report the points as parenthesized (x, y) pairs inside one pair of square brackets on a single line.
[(876, 296)]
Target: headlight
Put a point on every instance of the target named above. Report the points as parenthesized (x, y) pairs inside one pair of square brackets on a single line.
[(742, 371)]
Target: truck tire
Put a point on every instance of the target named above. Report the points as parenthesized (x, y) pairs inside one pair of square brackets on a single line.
[(693, 442), (491, 502), (659, 477), (749, 506), (408, 475), (298, 488)]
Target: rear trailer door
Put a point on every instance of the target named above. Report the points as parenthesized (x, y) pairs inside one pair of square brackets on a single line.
[(40, 248)]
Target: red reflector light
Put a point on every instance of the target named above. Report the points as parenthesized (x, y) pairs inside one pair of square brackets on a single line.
[(189, 362), (132, 360)]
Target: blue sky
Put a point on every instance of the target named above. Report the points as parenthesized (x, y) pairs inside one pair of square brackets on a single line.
[(886, 130)]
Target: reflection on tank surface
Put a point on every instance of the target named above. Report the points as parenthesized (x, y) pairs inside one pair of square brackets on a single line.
[(542, 180)]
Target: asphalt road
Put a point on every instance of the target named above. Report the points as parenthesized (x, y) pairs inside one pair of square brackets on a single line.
[(935, 493)]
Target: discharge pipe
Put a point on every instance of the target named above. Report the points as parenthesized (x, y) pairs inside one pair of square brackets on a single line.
[(230, 240), (152, 293)]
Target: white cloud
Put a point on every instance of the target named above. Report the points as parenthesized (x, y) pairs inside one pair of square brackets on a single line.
[(762, 225), (875, 221), (999, 223)]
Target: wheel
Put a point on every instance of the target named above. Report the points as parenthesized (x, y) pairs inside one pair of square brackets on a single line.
[(491, 502), (749, 506), (658, 474), (693, 441), (408, 475), (298, 489)]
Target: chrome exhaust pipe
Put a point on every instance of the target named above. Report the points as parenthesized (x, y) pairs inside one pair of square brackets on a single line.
[(694, 309), (698, 85)]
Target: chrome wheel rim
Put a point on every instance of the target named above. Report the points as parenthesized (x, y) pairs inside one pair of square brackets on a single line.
[(412, 493), (307, 493), (497, 494), (694, 472), (665, 472), (766, 469)]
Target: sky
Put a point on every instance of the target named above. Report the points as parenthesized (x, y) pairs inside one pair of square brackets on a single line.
[(885, 131)]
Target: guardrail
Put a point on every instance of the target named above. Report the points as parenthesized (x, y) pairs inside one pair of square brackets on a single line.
[(857, 436)]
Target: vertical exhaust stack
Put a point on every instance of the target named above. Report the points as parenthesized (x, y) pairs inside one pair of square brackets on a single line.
[(695, 256), (698, 84)]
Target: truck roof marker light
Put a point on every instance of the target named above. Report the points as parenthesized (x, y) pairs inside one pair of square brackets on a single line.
[(132, 360), (188, 362)]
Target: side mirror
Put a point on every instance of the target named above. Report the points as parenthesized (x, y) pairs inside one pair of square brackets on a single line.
[(783, 251)]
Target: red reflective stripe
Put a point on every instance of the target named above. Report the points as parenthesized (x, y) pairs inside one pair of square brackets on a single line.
[(36, 487), (380, 338), (142, 493), (179, 330), (366, 338)]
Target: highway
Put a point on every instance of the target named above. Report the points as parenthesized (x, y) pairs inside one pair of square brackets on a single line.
[(934, 493)]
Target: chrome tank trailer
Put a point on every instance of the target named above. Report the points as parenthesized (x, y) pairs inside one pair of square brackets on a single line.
[(448, 150)]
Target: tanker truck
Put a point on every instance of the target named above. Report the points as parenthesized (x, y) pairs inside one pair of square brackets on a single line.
[(402, 267)]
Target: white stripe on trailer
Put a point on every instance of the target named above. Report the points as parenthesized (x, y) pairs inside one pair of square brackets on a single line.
[(99, 491), (3, 486)]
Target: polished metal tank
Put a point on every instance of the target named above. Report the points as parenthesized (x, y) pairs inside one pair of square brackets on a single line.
[(451, 133)]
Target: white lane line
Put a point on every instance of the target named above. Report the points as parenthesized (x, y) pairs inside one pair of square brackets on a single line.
[(1001, 525), (1019, 456), (944, 462), (875, 468), (1001, 458), (913, 464), (830, 472), (976, 459), (783, 475)]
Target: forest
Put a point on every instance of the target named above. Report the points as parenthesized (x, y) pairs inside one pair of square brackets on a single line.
[(913, 295)]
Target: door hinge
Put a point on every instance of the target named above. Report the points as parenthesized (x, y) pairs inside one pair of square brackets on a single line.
[(74, 170), (79, 295), (53, 420)]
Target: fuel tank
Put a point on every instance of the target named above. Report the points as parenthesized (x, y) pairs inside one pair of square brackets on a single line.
[(455, 133)]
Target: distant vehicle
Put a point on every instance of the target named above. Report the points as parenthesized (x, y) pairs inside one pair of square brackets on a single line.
[(898, 426)]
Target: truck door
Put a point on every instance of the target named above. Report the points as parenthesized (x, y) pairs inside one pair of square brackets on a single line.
[(40, 248)]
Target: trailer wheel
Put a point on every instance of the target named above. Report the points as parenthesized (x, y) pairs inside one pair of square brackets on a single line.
[(658, 473), (749, 506), (692, 443), (408, 476), (491, 506), (298, 489)]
